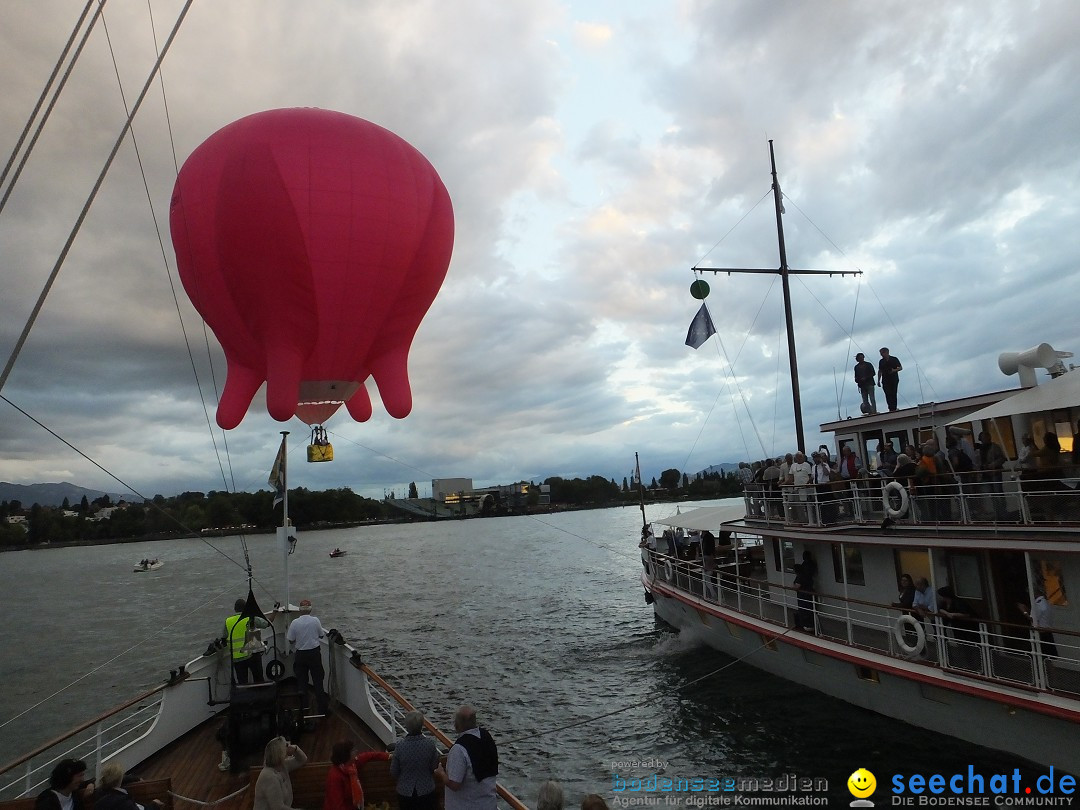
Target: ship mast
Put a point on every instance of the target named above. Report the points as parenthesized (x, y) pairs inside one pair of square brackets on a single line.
[(784, 272)]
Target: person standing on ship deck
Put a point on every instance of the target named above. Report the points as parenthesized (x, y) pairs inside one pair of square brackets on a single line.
[(304, 634), (864, 379), (1040, 620), (247, 667), (888, 376), (472, 766), (413, 766), (273, 787)]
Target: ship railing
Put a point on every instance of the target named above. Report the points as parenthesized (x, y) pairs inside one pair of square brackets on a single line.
[(1032, 498), (93, 742), (392, 705), (997, 652)]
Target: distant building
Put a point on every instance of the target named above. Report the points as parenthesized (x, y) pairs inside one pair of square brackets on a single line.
[(450, 490)]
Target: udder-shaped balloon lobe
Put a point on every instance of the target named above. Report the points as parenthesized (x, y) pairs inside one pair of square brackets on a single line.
[(313, 243)]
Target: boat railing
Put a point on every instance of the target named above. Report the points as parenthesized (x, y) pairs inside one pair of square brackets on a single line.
[(993, 651), (93, 742), (393, 706), (1013, 498)]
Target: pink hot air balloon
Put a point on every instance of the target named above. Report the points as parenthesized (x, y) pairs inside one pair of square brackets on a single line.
[(313, 243)]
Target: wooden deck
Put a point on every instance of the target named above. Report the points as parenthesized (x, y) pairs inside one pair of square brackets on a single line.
[(192, 761)]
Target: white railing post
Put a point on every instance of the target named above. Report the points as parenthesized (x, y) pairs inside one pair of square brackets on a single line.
[(1039, 663)]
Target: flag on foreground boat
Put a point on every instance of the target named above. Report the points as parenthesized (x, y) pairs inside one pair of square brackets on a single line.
[(277, 474), (701, 328)]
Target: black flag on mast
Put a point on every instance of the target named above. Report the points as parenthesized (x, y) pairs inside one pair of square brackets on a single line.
[(701, 328)]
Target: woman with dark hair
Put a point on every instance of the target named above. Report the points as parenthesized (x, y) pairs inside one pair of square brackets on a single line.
[(413, 766), (343, 789), (67, 789)]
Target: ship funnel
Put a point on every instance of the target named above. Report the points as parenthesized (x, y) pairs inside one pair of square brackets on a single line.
[(1024, 363)]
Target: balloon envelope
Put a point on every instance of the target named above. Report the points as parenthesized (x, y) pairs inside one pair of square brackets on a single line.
[(312, 243)]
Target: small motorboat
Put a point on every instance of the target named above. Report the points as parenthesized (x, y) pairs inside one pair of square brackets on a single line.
[(148, 565), (337, 552)]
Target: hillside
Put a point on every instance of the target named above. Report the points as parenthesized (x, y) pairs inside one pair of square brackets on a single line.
[(53, 494)]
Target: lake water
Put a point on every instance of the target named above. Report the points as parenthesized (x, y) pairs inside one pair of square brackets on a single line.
[(539, 622)]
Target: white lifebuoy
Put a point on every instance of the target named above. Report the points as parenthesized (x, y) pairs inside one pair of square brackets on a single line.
[(901, 490), (669, 571), (907, 622)]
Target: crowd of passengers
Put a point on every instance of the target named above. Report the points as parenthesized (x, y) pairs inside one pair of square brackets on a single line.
[(962, 460), (962, 465)]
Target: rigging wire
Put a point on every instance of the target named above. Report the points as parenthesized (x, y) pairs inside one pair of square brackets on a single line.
[(122, 482), (764, 197), (907, 348), (121, 654), (89, 201), (881, 304), (52, 102), (651, 698)]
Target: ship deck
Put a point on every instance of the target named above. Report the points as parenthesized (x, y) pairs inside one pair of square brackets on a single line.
[(192, 761)]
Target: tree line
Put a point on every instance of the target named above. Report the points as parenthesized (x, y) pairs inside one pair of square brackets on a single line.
[(192, 513)]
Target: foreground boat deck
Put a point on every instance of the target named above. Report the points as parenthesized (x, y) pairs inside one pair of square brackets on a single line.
[(192, 761)]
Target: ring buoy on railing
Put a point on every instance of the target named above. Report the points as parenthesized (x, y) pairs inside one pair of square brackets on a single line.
[(901, 490), (910, 623), (669, 571)]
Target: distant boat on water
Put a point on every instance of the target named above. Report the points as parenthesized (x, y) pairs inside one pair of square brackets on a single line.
[(337, 552), (148, 565)]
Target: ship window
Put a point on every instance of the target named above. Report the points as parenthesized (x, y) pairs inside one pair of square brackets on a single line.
[(783, 555), (867, 674), (850, 557), (1001, 432), (965, 574), (899, 439)]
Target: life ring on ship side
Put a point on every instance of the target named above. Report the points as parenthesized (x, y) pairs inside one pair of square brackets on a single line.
[(907, 622), (275, 670), (669, 571), (901, 490)]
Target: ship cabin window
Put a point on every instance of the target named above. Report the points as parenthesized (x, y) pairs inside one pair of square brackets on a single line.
[(899, 439), (1063, 427), (913, 562), (848, 559), (870, 456), (783, 554), (1001, 433)]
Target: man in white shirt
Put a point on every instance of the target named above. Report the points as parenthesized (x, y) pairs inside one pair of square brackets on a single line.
[(800, 474), (925, 605), (472, 765), (304, 635)]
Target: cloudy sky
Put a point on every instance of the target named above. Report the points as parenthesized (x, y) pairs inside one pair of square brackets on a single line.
[(594, 152)]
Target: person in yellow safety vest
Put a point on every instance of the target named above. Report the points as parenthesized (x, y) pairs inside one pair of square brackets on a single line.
[(246, 666)]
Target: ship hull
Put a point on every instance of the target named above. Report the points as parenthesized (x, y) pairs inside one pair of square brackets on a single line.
[(895, 689)]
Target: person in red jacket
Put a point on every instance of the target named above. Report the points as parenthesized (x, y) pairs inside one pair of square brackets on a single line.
[(343, 790)]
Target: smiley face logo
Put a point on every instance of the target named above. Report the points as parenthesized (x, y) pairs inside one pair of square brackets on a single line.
[(861, 783)]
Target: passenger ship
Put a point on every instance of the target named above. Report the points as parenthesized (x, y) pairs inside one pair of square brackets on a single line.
[(994, 543)]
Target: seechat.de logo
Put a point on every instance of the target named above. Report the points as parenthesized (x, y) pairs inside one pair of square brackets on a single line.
[(862, 784)]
